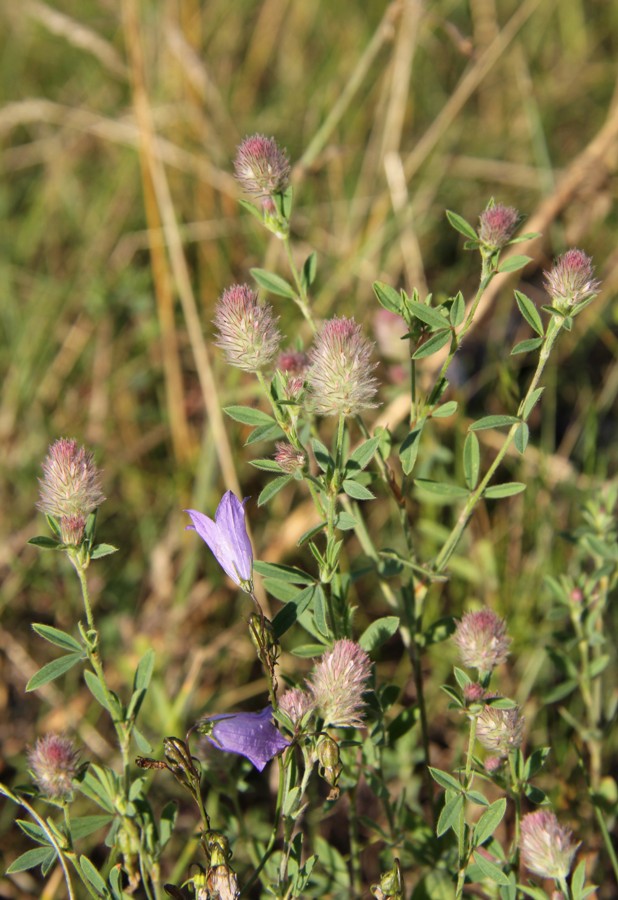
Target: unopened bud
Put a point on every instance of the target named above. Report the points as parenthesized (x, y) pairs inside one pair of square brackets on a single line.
[(53, 762)]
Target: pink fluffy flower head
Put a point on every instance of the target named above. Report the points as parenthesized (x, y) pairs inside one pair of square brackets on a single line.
[(339, 377), (53, 762), (547, 848), (571, 281), (482, 640), (289, 458), (496, 225), (71, 483), (227, 538), (338, 683), (296, 703), (248, 333), (261, 166), (500, 730)]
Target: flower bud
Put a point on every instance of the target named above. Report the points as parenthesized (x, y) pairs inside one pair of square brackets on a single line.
[(248, 333), (482, 640), (473, 693), (71, 483), (547, 848), (261, 166), (339, 377), (391, 885), (289, 458), (500, 730), (571, 281), (338, 683), (330, 764), (53, 762), (296, 703), (496, 226)]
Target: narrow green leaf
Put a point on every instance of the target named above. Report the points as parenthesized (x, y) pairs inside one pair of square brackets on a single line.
[(357, 491), (447, 409), (322, 456), (509, 489), (309, 270), (521, 437), (489, 821), (531, 402), (265, 433), (30, 859), (529, 312), (274, 284), (514, 263), (388, 297), (445, 780), (320, 618), (599, 665), (265, 465), (461, 677), (431, 346), (309, 651), (57, 637), (93, 876), (45, 543), (102, 550), (526, 346), (82, 826), (251, 209), (378, 632), (345, 522), (363, 454), (34, 832), (169, 814), (273, 488), (460, 225), (493, 422), (441, 488), (534, 893), (439, 631), (409, 448), (449, 815), (430, 315), (96, 689), (142, 743), (311, 533), (247, 415), (53, 670), (278, 572), (287, 616), (578, 880), (144, 670), (471, 460), (491, 870), (457, 310)]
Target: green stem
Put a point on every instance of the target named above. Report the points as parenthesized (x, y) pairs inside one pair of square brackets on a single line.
[(301, 299), (463, 851)]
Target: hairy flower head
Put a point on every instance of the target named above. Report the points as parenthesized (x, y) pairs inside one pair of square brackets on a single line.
[(53, 762), (248, 333), (496, 225), (338, 683), (547, 848), (500, 730), (71, 483), (261, 166), (289, 458), (571, 280), (339, 377), (296, 703), (482, 640)]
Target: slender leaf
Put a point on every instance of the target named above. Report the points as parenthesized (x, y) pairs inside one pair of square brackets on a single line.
[(142, 743), (529, 312), (491, 870), (388, 297), (93, 876), (265, 433), (445, 780), (53, 670), (43, 542), (531, 402), (278, 572), (493, 422), (345, 522), (82, 826), (489, 821), (363, 454), (378, 632), (447, 409), (431, 346), (526, 346), (409, 448), (460, 225), (265, 465), (457, 310), (357, 491), (34, 832), (102, 550), (450, 814), (309, 270), (274, 284), (441, 489), (31, 858), (509, 489), (57, 637), (430, 315), (514, 263), (521, 437), (247, 415), (144, 670), (273, 488), (471, 460), (286, 617), (96, 689)]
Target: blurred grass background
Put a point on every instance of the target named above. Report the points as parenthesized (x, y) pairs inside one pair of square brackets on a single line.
[(118, 127)]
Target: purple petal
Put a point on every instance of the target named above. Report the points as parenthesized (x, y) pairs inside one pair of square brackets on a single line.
[(234, 542), (250, 734)]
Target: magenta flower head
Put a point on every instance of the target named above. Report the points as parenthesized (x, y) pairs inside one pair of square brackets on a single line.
[(339, 377), (289, 458), (53, 762), (500, 730), (248, 333), (296, 703), (547, 848), (482, 640), (250, 734), (338, 683), (227, 538), (261, 166), (496, 225), (571, 281), (70, 488)]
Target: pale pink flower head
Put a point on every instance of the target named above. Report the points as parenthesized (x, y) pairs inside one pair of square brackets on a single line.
[(571, 281), (261, 166), (338, 683), (53, 762), (227, 538), (296, 703), (473, 692), (293, 362), (547, 848), (496, 225), (289, 458), (339, 377), (71, 483), (482, 640), (248, 333), (500, 730)]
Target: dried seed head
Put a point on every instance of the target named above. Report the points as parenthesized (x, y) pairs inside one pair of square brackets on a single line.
[(496, 225), (53, 762), (339, 377), (547, 848), (71, 483), (500, 730), (571, 281), (338, 683), (482, 640), (261, 166), (248, 333)]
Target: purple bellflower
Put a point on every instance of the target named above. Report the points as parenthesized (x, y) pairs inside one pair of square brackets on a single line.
[(250, 734), (227, 538)]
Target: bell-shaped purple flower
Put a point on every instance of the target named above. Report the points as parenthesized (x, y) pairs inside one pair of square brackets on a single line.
[(227, 538), (250, 734)]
